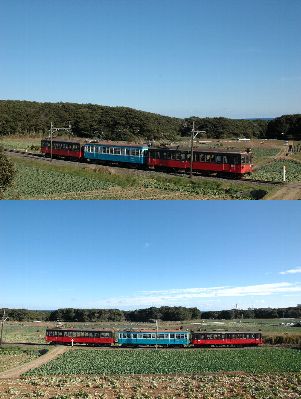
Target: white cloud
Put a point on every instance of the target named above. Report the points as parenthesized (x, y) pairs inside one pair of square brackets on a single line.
[(290, 78), (291, 271), (186, 296)]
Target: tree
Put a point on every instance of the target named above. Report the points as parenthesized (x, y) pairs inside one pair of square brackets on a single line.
[(7, 172)]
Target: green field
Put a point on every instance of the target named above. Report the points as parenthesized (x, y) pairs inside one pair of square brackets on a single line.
[(168, 361), (37, 180), (273, 171), (13, 356)]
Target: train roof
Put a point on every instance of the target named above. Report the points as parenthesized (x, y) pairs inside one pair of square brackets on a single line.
[(153, 331), (117, 144), (226, 332), (96, 142), (62, 141), (204, 150), (79, 329)]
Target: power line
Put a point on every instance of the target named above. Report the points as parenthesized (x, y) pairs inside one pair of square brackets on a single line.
[(194, 134), (57, 129)]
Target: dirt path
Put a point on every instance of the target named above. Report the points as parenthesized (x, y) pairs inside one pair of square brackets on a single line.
[(291, 191), (17, 371)]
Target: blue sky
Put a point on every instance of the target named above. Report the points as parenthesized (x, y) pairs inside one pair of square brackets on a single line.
[(234, 58), (130, 255)]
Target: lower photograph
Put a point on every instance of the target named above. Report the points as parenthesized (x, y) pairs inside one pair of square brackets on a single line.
[(150, 299)]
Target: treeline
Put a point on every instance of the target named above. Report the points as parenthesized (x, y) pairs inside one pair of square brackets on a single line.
[(87, 120), (127, 124), (164, 313), (259, 313), (219, 128), (286, 127)]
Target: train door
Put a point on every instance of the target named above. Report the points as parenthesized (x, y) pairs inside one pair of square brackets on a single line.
[(225, 162)]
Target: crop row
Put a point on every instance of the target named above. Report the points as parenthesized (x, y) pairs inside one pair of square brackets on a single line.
[(197, 386), (274, 171), (34, 180), (162, 361), (12, 357)]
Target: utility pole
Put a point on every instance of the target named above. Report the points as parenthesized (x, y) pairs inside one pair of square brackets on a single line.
[(194, 134), (2, 325), (56, 129)]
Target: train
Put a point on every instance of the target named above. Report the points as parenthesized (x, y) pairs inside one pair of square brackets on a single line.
[(152, 338), (221, 162)]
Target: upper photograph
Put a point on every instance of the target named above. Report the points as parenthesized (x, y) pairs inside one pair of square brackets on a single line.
[(167, 100)]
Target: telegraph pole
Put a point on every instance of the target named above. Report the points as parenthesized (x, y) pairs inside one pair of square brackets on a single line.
[(56, 129), (194, 134), (2, 325)]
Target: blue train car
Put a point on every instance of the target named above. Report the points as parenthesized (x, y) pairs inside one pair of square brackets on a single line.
[(152, 338), (119, 153)]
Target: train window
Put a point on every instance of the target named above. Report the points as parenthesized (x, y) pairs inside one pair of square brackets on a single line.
[(225, 159), (146, 336), (172, 336), (117, 151), (153, 336), (243, 159), (208, 158), (135, 336), (218, 159)]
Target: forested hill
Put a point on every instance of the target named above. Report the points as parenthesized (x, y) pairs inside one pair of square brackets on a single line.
[(165, 313), (122, 123), (87, 120)]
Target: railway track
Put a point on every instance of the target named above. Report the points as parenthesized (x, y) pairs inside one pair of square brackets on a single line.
[(134, 170)]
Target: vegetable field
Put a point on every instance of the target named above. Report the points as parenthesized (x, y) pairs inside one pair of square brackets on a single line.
[(164, 361), (217, 386), (274, 171), (35, 180), (12, 357)]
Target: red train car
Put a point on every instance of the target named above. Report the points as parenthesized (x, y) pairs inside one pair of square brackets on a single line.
[(226, 338), (221, 162), (75, 336), (63, 149)]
